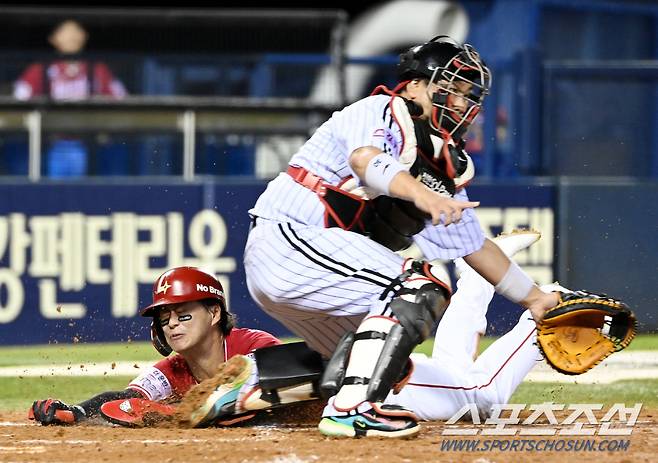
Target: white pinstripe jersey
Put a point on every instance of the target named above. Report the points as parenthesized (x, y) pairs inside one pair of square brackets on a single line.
[(367, 122)]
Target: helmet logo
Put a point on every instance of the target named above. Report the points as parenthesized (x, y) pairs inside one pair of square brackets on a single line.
[(163, 286), (209, 289)]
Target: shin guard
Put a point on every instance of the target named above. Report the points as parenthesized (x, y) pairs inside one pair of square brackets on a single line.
[(380, 355)]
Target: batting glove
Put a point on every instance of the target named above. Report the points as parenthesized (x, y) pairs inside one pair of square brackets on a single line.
[(51, 411)]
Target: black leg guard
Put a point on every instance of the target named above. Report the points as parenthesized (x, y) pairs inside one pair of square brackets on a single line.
[(382, 345), (287, 365), (396, 351), (416, 320), (334, 371)]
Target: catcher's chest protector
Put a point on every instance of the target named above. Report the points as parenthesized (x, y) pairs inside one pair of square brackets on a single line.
[(393, 222)]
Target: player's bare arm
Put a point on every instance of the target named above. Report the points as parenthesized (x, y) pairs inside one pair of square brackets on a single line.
[(402, 185), (494, 266)]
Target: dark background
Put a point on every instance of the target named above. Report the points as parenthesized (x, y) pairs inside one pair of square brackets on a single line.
[(27, 27)]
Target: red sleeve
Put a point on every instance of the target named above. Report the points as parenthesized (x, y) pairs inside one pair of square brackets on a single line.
[(167, 366), (105, 83), (33, 76), (262, 339), (241, 341)]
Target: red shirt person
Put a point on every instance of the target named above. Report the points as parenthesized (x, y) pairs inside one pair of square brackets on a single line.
[(68, 77), (68, 80), (172, 377), (190, 317)]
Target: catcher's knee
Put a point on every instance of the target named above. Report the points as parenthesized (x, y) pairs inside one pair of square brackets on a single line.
[(368, 364), (421, 300)]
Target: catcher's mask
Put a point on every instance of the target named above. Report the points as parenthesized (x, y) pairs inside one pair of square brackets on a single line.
[(448, 64), (185, 284)]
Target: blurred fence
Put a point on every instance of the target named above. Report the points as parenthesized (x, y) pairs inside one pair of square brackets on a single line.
[(550, 119), (162, 136), (210, 92)]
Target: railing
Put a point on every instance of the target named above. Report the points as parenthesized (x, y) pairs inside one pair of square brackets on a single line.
[(541, 137), (153, 51), (184, 115)]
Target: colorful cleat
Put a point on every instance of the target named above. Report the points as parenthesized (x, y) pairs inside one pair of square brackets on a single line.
[(369, 424), (221, 402)]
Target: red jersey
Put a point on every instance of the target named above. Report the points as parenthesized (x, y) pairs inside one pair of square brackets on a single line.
[(68, 80), (172, 376)]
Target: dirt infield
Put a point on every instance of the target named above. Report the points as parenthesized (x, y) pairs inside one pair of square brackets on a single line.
[(23, 441)]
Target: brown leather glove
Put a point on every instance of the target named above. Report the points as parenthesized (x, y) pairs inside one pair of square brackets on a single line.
[(583, 329)]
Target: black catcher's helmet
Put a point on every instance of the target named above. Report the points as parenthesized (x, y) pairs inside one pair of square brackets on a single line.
[(443, 61)]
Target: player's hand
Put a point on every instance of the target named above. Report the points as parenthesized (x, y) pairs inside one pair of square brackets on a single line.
[(443, 209), (537, 313), (51, 411), (538, 303)]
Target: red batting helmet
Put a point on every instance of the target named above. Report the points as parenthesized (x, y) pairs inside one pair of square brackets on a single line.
[(184, 284)]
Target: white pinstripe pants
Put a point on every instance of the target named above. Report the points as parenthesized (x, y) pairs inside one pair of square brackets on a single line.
[(318, 282)]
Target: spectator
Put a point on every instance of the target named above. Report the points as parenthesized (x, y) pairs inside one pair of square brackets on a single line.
[(68, 77)]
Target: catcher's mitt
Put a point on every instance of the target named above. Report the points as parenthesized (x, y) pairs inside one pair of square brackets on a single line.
[(583, 329)]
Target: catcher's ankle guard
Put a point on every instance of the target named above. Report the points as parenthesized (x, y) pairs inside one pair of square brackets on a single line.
[(380, 352)]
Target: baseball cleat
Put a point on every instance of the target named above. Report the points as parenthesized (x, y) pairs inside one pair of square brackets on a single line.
[(570, 295), (369, 424), (136, 412), (224, 389), (555, 288), (516, 240)]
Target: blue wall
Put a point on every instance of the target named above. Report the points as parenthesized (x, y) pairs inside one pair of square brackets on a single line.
[(77, 260), (608, 241)]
